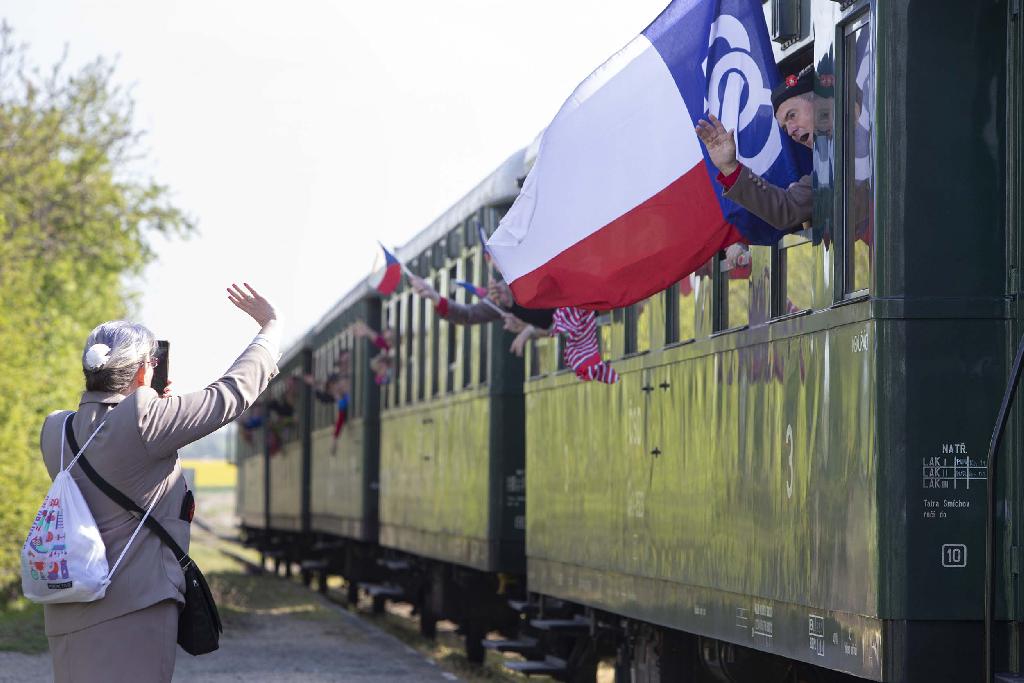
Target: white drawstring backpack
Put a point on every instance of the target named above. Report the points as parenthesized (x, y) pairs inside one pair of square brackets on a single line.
[(64, 558)]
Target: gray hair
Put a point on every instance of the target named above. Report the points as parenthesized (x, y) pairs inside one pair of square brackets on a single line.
[(113, 353)]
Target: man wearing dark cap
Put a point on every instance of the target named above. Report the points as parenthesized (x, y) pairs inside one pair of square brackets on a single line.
[(784, 208)]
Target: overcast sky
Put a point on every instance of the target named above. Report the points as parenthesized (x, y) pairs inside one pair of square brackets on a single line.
[(297, 134)]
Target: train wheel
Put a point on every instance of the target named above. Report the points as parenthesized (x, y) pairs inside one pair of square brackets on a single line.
[(379, 602), (475, 633), (428, 620), (352, 593), (583, 662)]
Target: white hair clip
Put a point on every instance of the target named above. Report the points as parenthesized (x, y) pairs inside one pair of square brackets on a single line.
[(97, 356)]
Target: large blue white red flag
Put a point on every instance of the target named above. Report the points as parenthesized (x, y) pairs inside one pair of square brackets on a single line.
[(622, 201)]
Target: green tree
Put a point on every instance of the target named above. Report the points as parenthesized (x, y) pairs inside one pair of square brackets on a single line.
[(75, 223)]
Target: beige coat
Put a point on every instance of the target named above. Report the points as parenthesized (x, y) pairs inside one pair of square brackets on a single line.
[(136, 451), (783, 208)]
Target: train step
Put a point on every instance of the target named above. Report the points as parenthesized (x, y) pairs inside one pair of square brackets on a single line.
[(523, 607), (327, 546), (578, 625), (393, 565), (1009, 678), (375, 590), (314, 565), (547, 667), (523, 646)]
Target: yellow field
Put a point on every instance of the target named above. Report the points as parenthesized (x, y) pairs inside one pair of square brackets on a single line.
[(212, 473)]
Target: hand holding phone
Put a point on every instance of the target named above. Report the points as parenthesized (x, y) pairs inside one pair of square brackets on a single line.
[(162, 356)]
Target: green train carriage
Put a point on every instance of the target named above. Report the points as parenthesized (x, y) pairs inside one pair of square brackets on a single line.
[(788, 483), (344, 472), (451, 498)]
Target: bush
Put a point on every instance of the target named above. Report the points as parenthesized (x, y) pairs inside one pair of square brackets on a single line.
[(74, 222)]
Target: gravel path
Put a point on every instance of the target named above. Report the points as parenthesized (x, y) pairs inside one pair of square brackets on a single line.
[(340, 647), (314, 642), (282, 648)]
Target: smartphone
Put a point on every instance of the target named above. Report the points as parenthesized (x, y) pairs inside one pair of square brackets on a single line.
[(163, 354)]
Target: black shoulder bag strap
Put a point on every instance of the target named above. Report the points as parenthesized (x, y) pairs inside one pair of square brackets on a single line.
[(124, 501)]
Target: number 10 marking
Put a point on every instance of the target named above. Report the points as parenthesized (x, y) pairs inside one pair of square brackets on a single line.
[(954, 555)]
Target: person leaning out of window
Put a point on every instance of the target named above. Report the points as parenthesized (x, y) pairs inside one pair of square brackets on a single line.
[(525, 323), (783, 208), (130, 634)]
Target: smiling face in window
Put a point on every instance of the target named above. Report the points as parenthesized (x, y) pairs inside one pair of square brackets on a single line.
[(796, 116)]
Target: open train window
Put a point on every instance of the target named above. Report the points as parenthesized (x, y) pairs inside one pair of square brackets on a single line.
[(735, 296), (796, 272), (435, 344), (423, 310), (858, 156), (410, 337), (467, 332), (679, 311), (396, 327), (484, 276), (359, 369), (452, 335), (638, 327), (454, 242)]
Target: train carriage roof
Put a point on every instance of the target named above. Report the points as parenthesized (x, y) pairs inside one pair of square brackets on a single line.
[(501, 186)]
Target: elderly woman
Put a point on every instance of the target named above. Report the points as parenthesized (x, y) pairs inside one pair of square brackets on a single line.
[(130, 634)]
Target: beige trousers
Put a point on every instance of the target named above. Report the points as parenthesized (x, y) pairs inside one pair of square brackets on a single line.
[(139, 647)]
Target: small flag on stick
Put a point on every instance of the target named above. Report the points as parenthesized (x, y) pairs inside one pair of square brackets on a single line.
[(387, 279), (471, 288)]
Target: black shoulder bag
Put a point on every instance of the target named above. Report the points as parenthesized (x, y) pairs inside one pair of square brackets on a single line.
[(199, 625)]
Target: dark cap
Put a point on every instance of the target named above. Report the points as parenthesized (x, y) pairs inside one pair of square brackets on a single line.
[(791, 86)]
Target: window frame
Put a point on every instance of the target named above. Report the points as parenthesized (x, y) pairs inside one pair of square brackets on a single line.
[(858, 18)]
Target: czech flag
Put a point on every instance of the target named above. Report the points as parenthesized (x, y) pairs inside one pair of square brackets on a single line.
[(471, 288), (387, 279), (622, 200), (483, 240)]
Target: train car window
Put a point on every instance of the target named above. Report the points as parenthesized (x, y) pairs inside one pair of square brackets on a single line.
[(703, 300), (858, 157), (421, 349), (642, 313), (735, 292), (630, 340), (385, 322), (796, 272), (686, 307), (484, 276), (637, 320), (358, 364), (606, 331), (396, 373), (454, 242), (327, 367), (491, 219), (410, 337), (679, 310), (670, 297), (467, 332), (452, 335), (435, 345)]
